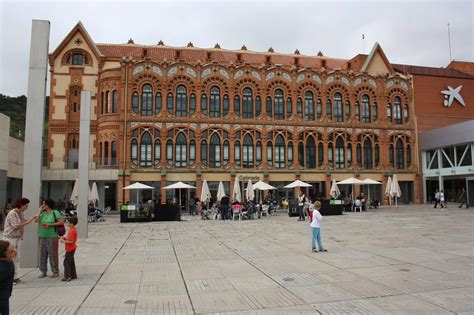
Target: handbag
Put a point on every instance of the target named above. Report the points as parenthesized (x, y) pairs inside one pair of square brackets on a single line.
[(60, 229)]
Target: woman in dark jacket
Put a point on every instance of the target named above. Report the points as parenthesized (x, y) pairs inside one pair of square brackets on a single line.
[(7, 272)]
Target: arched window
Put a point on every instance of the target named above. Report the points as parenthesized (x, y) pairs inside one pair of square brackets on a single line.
[(113, 153), (408, 153), (278, 105), (328, 110), (391, 156), (192, 152), (107, 102), (397, 110), (375, 114), (169, 152), (237, 105), (289, 160), (340, 153), (406, 113), (181, 153), (365, 109), (310, 152), (348, 110), (101, 161), (225, 105), (258, 106), (204, 103), (170, 103), (301, 154), (258, 157), (147, 96), (158, 103), (338, 114), (135, 102), (349, 155), (134, 151), (204, 152), (320, 154), (157, 151), (181, 101), (309, 105), (247, 152), (192, 103), (106, 153), (289, 107), (145, 150), (114, 102), (247, 103), (299, 107), (78, 59), (237, 152), (319, 108), (270, 153), (357, 111), (368, 164), (268, 105), (389, 112), (279, 152), (377, 155), (215, 151), (330, 155), (359, 155), (226, 152), (400, 155), (215, 102), (102, 103)]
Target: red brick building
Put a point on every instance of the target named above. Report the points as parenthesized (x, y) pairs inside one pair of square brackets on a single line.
[(163, 114)]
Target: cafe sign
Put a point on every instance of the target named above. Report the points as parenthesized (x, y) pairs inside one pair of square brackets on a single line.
[(252, 177)]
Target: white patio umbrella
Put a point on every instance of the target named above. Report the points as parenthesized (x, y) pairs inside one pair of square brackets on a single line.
[(334, 192), (369, 181), (298, 183), (249, 191), (262, 186), (395, 189), (220, 191), (350, 181), (94, 193), (179, 185), (236, 194), (138, 186), (75, 193), (205, 193), (387, 190)]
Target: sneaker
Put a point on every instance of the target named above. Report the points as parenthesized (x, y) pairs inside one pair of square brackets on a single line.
[(315, 250), (55, 275), (43, 275), (323, 250), (66, 279)]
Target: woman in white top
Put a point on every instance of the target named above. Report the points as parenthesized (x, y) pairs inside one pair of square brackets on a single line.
[(316, 228)]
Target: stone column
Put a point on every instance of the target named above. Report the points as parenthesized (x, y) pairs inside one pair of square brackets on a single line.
[(84, 139), (34, 135)]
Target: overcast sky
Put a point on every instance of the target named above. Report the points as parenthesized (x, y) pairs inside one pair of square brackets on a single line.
[(410, 32)]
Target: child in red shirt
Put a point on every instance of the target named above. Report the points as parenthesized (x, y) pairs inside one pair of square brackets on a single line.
[(70, 244)]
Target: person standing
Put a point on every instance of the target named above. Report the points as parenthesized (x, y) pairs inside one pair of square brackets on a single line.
[(7, 273), (437, 198), (463, 198), (48, 235), (70, 245), (14, 229), (442, 199), (316, 229), (301, 202)]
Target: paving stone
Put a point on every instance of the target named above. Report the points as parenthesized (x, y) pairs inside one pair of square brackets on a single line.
[(407, 304), (271, 298), (455, 300), (367, 288), (216, 302), (207, 285), (322, 293), (162, 288), (166, 305), (356, 307), (251, 283), (111, 295), (44, 309), (296, 279)]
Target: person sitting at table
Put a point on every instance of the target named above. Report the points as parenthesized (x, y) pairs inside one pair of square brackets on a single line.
[(362, 200)]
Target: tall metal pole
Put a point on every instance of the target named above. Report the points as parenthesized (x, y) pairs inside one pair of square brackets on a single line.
[(33, 152), (84, 143)]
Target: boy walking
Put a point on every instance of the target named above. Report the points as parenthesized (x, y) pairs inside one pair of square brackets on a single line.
[(316, 228), (70, 244)]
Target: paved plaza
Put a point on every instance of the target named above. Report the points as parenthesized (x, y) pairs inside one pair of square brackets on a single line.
[(406, 260)]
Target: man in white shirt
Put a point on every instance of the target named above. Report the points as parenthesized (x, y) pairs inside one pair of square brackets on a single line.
[(316, 228)]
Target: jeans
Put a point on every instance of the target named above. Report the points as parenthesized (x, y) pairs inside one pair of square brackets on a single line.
[(301, 212), (316, 237)]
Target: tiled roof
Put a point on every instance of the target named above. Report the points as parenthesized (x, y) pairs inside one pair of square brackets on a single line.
[(431, 71), (192, 54)]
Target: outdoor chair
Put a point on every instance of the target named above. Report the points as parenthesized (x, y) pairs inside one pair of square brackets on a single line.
[(358, 205), (236, 212), (265, 209), (107, 210)]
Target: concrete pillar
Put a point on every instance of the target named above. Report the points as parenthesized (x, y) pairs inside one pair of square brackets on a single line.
[(84, 139), (34, 135)]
